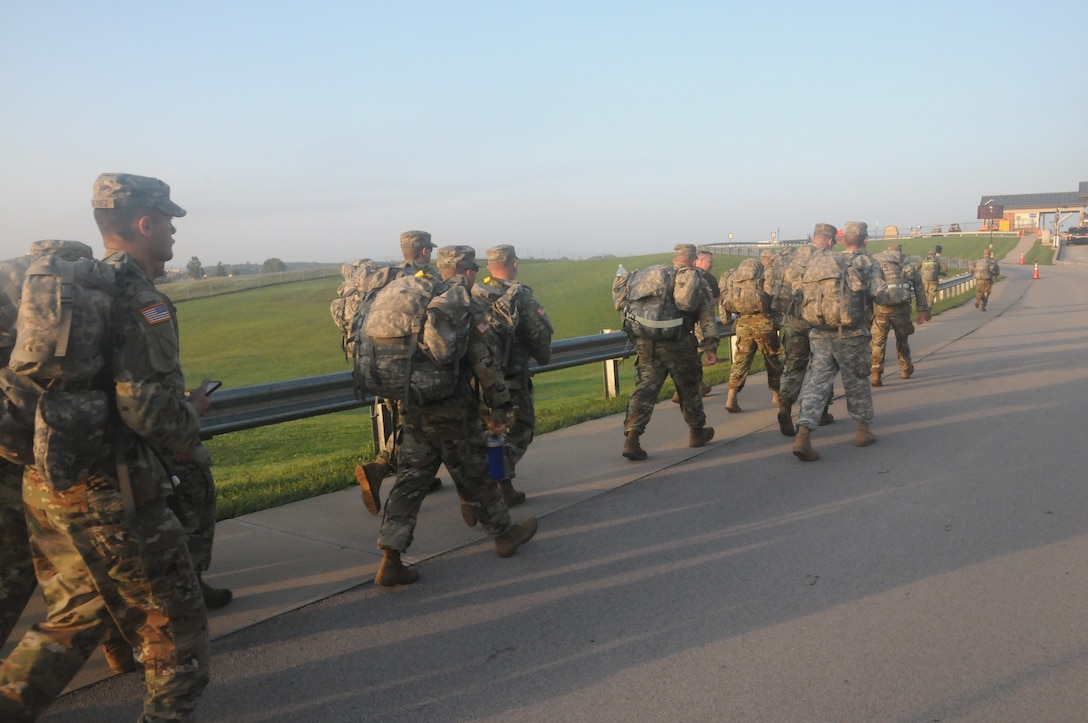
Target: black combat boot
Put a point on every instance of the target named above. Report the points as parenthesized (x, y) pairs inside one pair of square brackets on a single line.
[(214, 597)]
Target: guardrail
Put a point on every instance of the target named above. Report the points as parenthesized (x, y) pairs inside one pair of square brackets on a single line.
[(264, 404)]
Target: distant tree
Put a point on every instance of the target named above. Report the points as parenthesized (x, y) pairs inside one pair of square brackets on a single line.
[(194, 269), (271, 266), (220, 269)]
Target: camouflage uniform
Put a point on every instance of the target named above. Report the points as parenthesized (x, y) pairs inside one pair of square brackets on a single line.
[(531, 339), (984, 270), (195, 497), (896, 318), (930, 270), (845, 350), (794, 331), (17, 581), (756, 332), (449, 431), (679, 359), (104, 551)]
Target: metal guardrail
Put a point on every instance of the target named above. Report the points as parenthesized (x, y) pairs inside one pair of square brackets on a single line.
[(260, 405)]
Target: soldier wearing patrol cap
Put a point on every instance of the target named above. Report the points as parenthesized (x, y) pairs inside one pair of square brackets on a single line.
[(525, 332), (449, 431), (678, 358), (896, 317), (108, 549)]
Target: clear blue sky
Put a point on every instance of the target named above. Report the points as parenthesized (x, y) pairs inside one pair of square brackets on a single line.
[(317, 131)]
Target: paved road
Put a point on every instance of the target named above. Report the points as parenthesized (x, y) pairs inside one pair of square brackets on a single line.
[(939, 575)]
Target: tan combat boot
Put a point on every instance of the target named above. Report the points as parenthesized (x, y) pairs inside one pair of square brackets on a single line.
[(699, 437), (510, 495), (393, 572), (632, 450), (785, 419), (875, 381), (775, 400), (731, 402), (506, 545), (467, 514), (369, 477), (802, 445), (826, 418), (907, 372), (863, 437)]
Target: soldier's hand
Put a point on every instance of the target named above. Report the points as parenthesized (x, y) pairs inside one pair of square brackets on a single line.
[(923, 317), (710, 359), (199, 397)]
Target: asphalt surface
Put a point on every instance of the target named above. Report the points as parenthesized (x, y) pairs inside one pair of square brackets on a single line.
[(938, 575)]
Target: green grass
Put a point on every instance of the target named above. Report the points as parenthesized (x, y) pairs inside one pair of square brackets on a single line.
[(285, 332)]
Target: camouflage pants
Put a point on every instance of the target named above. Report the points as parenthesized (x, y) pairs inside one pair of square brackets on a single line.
[(931, 292), (982, 291), (520, 431), (896, 319), (430, 438), (17, 581), (795, 354), (831, 354), (656, 361), (93, 572), (752, 335), (195, 496)]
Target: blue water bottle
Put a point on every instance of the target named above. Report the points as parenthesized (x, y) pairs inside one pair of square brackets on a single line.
[(496, 457)]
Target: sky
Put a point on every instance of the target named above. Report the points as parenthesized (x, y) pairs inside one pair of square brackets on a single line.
[(319, 131)]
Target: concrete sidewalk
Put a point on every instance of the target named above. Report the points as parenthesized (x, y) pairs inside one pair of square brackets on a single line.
[(282, 559)]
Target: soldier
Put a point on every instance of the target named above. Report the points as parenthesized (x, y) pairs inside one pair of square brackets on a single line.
[(677, 358), (844, 348), (704, 263), (931, 272), (527, 333), (108, 549), (449, 431), (752, 332), (902, 280), (984, 271), (416, 247), (783, 285)]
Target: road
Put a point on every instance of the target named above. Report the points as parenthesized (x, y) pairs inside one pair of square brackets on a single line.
[(939, 575)]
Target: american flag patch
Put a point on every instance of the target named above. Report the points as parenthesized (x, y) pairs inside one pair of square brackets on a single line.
[(482, 327), (156, 314)]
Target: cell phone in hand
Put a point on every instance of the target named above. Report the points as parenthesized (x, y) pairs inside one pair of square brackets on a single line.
[(212, 386)]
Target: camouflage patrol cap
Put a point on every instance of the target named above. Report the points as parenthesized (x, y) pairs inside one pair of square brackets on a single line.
[(416, 240), (687, 251), (501, 254), (860, 229), (826, 230), (125, 190), (460, 258)]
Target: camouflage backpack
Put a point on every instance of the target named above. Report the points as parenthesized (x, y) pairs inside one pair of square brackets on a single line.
[(52, 416), (898, 274), (645, 300), (742, 289), (782, 279), (524, 332), (827, 300), (930, 269), (363, 279), (411, 342), (502, 315), (982, 269)]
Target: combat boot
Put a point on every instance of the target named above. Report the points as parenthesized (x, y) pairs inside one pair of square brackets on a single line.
[(506, 545), (705, 389), (510, 496), (785, 419), (467, 514), (369, 477), (875, 381), (863, 437), (731, 405), (775, 399), (802, 445), (393, 572), (119, 655), (826, 418), (699, 437), (632, 450), (214, 597), (907, 372)]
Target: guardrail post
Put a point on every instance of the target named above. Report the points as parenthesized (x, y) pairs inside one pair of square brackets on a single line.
[(611, 373), (382, 423)]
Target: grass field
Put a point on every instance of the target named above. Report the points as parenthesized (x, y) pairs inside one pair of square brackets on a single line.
[(285, 332)]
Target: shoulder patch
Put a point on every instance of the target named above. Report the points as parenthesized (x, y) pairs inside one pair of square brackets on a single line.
[(156, 313), (482, 327)]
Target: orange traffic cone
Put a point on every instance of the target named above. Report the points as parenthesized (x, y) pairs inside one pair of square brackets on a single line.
[(1036, 270), (1021, 258)]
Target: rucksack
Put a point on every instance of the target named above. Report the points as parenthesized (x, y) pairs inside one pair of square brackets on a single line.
[(363, 279), (645, 300), (930, 269), (981, 270), (742, 289), (502, 314), (52, 416), (827, 300), (898, 274), (411, 342)]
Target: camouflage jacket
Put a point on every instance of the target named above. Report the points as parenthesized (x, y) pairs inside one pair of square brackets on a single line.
[(532, 335)]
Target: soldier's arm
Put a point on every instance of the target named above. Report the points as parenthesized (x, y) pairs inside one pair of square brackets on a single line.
[(535, 328), (484, 356)]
